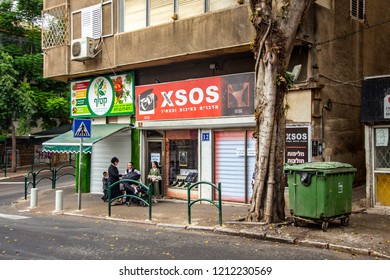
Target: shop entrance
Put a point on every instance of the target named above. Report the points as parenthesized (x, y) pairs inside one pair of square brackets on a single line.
[(381, 147), (155, 152)]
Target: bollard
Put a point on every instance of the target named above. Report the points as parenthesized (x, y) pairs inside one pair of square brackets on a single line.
[(59, 200), (34, 198)]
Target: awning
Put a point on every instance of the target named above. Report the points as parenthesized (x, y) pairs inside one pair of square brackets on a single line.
[(52, 132), (66, 143)]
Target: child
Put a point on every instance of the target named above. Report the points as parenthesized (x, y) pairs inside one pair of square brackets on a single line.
[(105, 185)]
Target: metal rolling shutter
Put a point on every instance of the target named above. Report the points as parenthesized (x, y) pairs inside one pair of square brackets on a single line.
[(231, 164), (119, 145)]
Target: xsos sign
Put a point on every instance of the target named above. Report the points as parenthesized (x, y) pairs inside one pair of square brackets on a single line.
[(297, 144), (296, 136)]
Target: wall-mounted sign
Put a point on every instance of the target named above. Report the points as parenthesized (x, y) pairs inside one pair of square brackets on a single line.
[(297, 144), (381, 137), (249, 152), (315, 148), (103, 96), (155, 157), (229, 95), (205, 136), (386, 107)]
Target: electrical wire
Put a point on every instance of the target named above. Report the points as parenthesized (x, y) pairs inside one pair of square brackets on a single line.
[(353, 33), (108, 56)]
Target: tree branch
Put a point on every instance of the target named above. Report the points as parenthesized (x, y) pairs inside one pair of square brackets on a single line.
[(262, 44)]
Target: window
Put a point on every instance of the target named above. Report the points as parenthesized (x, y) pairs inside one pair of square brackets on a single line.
[(190, 8), (134, 15), (358, 9), (382, 165), (88, 22), (182, 158), (382, 148), (161, 11), (219, 5), (137, 14), (55, 27)]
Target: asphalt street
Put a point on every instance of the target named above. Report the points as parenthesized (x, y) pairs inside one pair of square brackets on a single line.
[(67, 238), (12, 189)]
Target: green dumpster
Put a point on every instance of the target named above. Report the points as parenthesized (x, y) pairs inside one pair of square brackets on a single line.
[(320, 191)]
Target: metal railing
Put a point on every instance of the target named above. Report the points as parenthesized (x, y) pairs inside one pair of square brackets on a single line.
[(4, 162), (216, 204), (138, 183), (53, 177)]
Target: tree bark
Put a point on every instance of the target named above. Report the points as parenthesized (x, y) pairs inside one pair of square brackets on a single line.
[(276, 24)]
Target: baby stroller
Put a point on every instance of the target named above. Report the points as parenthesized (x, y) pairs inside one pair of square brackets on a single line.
[(134, 189), (143, 194)]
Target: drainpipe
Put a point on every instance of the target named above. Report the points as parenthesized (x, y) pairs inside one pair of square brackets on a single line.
[(326, 107)]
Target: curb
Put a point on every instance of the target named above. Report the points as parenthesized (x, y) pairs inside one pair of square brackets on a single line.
[(171, 226), (310, 243), (201, 228)]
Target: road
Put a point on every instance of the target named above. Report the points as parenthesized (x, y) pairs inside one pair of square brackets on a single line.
[(12, 189), (61, 237), (30, 236)]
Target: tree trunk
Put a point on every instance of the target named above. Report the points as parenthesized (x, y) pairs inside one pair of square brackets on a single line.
[(13, 154), (276, 24)]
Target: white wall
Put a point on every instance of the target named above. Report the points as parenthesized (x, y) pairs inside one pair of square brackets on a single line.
[(206, 164), (117, 144)]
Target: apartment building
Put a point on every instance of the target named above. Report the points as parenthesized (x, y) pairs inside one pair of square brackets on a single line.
[(375, 103), (178, 82)]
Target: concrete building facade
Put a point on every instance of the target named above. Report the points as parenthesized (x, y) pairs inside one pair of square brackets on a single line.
[(193, 83)]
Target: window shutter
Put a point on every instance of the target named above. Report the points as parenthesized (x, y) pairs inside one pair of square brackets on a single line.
[(135, 15), (189, 8), (91, 20), (218, 5), (358, 9), (160, 11)]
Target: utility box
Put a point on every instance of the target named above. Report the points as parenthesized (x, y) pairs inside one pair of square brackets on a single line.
[(320, 191)]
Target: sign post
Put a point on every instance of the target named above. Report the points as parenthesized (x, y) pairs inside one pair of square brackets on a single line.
[(81, 129)]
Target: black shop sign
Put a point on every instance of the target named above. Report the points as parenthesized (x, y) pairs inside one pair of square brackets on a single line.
[(297, 144)]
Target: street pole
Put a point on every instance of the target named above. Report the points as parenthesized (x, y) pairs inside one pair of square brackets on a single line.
[(80, 173), (81, 129)]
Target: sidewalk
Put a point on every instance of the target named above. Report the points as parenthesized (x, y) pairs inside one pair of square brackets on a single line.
[(368, 232)]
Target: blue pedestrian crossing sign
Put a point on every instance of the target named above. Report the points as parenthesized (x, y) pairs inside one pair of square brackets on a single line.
[(81, 128)]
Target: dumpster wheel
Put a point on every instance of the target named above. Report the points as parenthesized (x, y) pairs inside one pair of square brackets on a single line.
[(296, 222), (325, 226), (344, 221)]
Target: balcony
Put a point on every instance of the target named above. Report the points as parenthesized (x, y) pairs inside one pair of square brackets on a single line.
[(212, 34)]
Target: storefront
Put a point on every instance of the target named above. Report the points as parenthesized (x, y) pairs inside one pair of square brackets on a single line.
[(109, 102), (199, 130), (376, 117)]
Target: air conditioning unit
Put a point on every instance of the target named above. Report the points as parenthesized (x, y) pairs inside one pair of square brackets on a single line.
[(83, 49)]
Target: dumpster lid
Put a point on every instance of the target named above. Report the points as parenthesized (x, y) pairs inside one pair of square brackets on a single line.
[(327, 167)]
